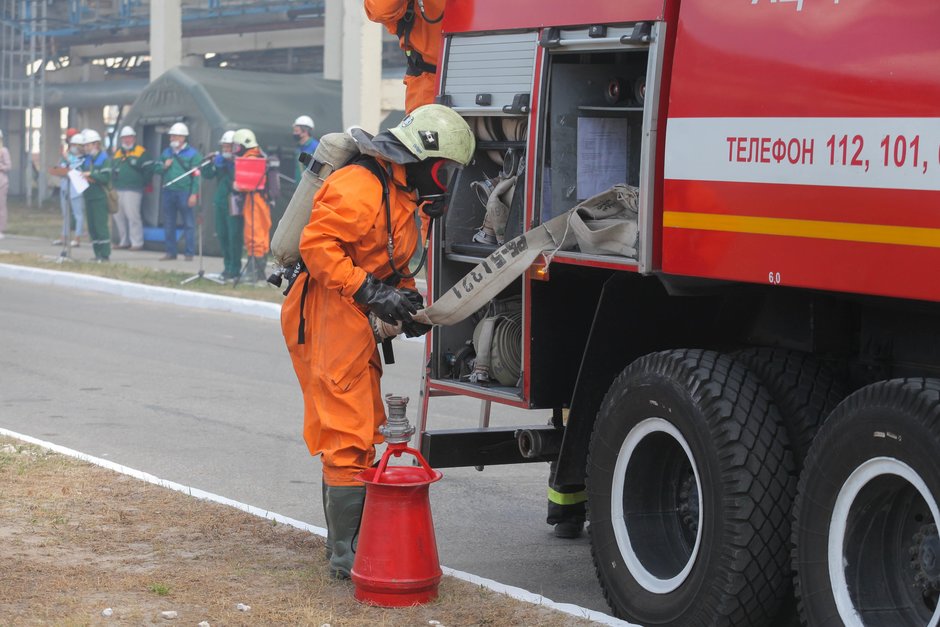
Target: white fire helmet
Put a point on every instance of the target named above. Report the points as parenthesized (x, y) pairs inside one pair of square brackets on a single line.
[(245, 138), (128, 131), (435, 131), (179, 129)]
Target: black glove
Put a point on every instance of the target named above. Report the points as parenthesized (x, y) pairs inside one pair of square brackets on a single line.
[(388, 303), (412, 328)]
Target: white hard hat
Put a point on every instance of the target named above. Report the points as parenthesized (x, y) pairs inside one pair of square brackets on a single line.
[(78, 139), (179, 129), (304, 120), (128, 131), (90, 136), (228, 137)]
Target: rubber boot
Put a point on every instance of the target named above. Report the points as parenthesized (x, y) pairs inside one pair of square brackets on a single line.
[(343, 513), (329, 535)]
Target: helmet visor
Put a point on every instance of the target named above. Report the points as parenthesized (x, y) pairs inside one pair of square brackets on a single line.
[(444, 173)]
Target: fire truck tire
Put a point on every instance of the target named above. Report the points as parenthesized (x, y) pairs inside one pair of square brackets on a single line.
[(866, 548), (804, 389), (689, 485)]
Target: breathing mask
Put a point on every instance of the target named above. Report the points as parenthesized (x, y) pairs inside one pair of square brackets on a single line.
[(432, 179)]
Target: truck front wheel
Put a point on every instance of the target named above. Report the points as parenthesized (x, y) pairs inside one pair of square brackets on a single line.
[(867, 551), (689, 491)]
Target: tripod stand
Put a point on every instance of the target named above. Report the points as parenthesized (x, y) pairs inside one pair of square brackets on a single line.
[(201, 273)]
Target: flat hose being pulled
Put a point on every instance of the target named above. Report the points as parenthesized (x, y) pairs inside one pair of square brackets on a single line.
[(491, 276)]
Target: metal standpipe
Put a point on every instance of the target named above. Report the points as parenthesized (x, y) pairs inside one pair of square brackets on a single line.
[(396, 562)]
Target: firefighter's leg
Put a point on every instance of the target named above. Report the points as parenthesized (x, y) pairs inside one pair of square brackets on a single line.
[(566, 507), (343, 514), (419, 90), (348, 430)]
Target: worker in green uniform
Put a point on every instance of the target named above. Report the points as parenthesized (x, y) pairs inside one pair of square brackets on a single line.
[(97, 171), (132, 167), (228, 228)]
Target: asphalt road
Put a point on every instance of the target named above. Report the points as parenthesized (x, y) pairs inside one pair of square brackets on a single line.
[(210, 400)]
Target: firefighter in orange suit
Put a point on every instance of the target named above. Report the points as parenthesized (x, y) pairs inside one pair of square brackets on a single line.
[(253, 204), (348, 273), (417, 24)]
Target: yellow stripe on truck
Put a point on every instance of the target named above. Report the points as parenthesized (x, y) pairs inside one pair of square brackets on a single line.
[(814, 229)]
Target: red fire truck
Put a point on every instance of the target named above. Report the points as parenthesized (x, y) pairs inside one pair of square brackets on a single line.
[(750, 400)]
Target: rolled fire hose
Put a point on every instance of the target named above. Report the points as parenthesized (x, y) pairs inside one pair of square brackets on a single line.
[(498, 344), (483, 343), (493, 230)]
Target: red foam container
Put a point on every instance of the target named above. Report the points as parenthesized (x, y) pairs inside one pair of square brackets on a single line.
[(396, 562)]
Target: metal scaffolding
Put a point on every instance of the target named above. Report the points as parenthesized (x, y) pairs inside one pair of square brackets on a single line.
[(36, 35), (22, 74)]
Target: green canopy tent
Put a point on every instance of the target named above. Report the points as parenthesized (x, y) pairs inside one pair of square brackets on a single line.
[(211, 101)]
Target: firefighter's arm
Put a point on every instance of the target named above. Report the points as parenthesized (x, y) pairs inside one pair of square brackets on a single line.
[(345, 209), (386, 12)]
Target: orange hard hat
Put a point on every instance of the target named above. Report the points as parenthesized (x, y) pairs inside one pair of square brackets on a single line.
[(69, 133)]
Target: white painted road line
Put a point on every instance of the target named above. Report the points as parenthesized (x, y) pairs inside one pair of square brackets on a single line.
[(510, 591)]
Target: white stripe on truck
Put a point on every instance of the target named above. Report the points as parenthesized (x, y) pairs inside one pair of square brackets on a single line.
[(881, 153)]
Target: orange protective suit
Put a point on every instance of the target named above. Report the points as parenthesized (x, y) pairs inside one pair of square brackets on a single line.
[(424, 38), (328, 334), (257, 215)]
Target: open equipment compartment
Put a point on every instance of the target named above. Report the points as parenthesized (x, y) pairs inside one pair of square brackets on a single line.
[(597, 125), (488, 79)]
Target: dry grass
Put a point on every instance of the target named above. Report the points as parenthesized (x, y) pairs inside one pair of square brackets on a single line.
[(77, 539), (46, 221), (41, 221)]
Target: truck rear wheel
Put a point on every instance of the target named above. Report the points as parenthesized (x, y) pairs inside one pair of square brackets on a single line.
[(689, 490), (805, 391), (867, 550)]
